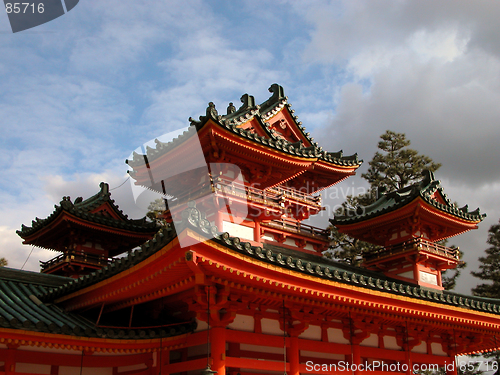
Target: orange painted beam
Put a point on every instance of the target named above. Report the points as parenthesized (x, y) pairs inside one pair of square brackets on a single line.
[(47, 358)]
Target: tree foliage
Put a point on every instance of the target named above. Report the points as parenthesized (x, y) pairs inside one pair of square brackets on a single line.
[(460, 371), (449, 277), (393, 166), (489, 269), (3, 262), (344, 248), (155, 209)]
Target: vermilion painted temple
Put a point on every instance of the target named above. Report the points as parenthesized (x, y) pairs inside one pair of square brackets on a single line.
[(235, 282)]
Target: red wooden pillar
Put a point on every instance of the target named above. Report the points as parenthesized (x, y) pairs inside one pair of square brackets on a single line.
[(356, 358), (416, 273), (439, 278), (184, 358), (451, 366), (164, 360), (256, 232), (234, 350), (409, 370), (218, 221), (293, 354), (218, 349), (54, 370), (10, 360)]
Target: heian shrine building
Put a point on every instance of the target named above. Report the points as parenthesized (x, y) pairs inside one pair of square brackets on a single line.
[(233, 281)]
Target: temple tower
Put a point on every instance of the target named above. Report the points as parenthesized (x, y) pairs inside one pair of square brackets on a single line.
[(254, 172), (407, 225), (87, 233)]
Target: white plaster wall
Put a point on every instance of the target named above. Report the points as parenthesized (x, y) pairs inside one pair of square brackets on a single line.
[(290, 242), (311, 333), (267, 237), (371, 341), (197, 350), (242, 323), (271, 327), (337, 336), (32, 368), (309, 246), (201, 326), (408, 274), (429, 278), (437, 349), (140, 366), (391, 343), (422, 348), (236, 230)]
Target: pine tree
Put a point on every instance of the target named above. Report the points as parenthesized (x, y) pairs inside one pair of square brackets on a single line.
[(489, 269), (396, 166), (393, 167), (460, 371), (3, 262), (155, 210)]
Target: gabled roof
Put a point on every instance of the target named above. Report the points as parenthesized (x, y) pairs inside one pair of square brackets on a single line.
[(303, 147), (311, 266), (99, 210), (429, 190), (21, 308)]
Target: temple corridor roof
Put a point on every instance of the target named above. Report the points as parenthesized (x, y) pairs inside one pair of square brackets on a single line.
[(21, 308), (310, 265)]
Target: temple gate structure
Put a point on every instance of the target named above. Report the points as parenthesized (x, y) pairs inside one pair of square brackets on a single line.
[(234, 282)]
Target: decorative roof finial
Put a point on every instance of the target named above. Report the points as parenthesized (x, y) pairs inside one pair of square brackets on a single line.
[(211, 111), (231, 108), (277, 90), (428, 177), (104, 188), (248, 101)]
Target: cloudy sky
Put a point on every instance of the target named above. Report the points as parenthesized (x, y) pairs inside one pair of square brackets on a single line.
[(79, 93)]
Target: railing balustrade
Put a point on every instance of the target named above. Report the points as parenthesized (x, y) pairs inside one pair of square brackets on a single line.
[(274, 195), (72, 256), (297, 227), (415, 243)]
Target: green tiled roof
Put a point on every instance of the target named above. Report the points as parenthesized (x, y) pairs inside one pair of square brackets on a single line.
[(308, 264), (261, 113), (82, 209), (21, 308), (391, 201)]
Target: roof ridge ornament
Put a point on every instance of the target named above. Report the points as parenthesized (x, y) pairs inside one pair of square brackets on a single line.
[(66, 203), (428, 177), (275, 99), (104, 189), (231, 108), (248, 102)]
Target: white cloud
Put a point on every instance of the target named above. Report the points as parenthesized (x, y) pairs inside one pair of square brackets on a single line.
[(445, 45)]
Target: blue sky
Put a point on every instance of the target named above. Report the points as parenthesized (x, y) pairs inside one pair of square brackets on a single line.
[(79, 93)]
